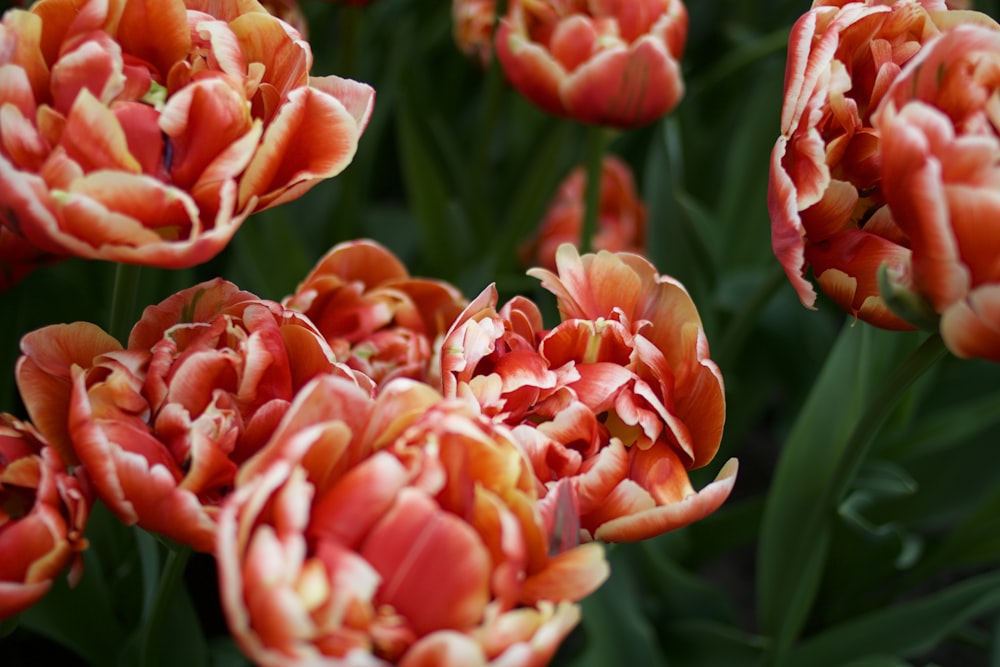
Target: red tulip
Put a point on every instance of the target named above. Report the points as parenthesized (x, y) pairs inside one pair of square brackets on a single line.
[(941, 178), (43, 513), (825, 195), (400, 530), (620, 398), (621, 221), (377, 318), (163, 425), (607, 62), (289, 12), (147, 132)]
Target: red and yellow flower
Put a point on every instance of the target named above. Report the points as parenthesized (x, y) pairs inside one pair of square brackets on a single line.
[(43, 513), (376, 317), (406, 533), (621, 398), (941, 178), (162, 426), (147, 132), (605, 63), (825, 193), (621, 216)]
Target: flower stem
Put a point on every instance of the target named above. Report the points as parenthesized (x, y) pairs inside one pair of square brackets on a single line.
[(170, 578), (123, 296), (593, 159)]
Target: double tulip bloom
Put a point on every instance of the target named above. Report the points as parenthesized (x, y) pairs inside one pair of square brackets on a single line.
[(826, 195), (43, 513), (146, 132), (377, 318), (620, 399), (403, 530), (597, 61), (621, 216), (162, 425), (941, 179)]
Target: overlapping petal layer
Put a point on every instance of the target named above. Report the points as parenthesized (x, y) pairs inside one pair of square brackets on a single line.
[(397, 530), (43, 514), (606, 63), (621, 398), (162, 425), (826, 200), (147, 132)]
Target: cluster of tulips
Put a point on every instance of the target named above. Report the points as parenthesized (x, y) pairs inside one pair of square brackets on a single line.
[(385, 471)]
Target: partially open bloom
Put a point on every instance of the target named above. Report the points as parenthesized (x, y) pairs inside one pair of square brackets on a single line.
[(400, 530), (941, 178), (472, 25), (604, 63), (621, 398), (147, 132), (825, 194), (162, 425), (376, 317), (43, 513), (621, 217)]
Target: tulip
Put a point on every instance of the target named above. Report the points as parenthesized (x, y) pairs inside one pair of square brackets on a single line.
[(940, 176), (621, 398), (397, 530), (162, 426), (473, 22), (43, 513), (602, 63), (825, 194), (147, 132), (377, 318), (621, 218)]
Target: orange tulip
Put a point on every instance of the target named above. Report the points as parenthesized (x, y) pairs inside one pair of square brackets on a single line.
[(400, 530), (43, 513), (163, 425), (825, 194), (147, 132), (621, 221), (940, 176), (607, 62), (377, 318), (473, 22), (621, 398)]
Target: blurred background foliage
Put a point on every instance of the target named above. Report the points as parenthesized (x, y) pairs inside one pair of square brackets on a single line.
[(876, 547)]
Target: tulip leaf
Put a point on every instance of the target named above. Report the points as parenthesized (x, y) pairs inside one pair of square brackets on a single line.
[(907, 629), (426, 185), (823, 451)]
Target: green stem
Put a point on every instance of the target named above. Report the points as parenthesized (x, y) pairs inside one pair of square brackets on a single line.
[(593, 159), (879, 408), (170, 578), (123, 297)]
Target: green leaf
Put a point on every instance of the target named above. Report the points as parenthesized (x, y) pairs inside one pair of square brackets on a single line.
[(616, 630), (907, 629), (828, 443)]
